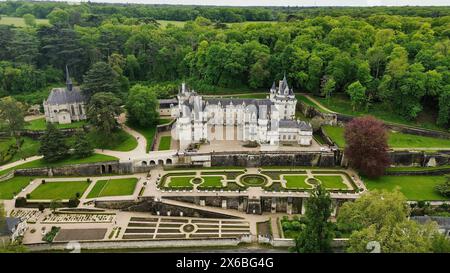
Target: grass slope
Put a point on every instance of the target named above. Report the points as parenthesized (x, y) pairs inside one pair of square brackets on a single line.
[(118, 141), (395, 140), (341, 104), (30, 147)]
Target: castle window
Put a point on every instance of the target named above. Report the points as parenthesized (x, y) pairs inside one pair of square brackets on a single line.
[(80, 109), (73, 110)]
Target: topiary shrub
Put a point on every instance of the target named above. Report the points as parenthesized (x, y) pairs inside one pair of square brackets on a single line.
[(73, 203), (21, 202)]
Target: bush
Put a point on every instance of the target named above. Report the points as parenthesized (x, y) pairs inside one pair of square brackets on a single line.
[(49, 236), (43, 181), (73, 203), (21, 202), (444, 189), (41, 207), (28, 196), (295, 225)]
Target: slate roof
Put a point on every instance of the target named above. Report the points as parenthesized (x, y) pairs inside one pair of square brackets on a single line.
[(10, 224), (168, 101), (63, 96), (302, 125), (226, 101), (443, 222)]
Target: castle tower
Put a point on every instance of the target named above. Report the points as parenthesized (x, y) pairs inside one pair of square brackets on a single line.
[(284, 99)]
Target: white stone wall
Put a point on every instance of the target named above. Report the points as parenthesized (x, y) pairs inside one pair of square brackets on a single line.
[(64, 113)]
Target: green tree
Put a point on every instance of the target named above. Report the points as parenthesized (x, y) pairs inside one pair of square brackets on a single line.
[(440, 244), (53, 144), (55, 204), (316, 237), (405, 236), (375, 208), (58, 17), (29, 19), (328, 87), (142, 106), (444, 107), (357, 93), (102, 111), (101, 78), (12, 114), (82, 147)]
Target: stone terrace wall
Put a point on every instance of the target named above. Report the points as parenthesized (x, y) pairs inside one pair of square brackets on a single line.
[(139, 244), (423, 159), (113, 167), (246, 159)]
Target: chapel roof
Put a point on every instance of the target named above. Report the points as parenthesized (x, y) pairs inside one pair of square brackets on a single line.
[(63, 96)]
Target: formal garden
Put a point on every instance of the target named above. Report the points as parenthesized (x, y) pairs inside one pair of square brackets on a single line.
[(269, 180)]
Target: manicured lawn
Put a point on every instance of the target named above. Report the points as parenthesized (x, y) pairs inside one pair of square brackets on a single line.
[(396, 139), (113, 187), (212, 181), (414, 187), (59, 190), (18, 21), (180, 181), (41, 124), (164, 143), (30, 147), (332, 181), (296, 182), (13, 186)]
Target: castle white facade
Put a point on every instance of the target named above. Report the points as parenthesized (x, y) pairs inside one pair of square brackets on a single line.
[(269, 121)]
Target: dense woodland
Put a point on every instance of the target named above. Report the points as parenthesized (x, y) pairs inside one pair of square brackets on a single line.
[(396, 57)]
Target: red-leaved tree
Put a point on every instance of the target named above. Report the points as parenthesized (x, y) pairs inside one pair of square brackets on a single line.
[(366, 146)]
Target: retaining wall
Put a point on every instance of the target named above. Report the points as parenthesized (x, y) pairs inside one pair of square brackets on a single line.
[(251, 159), (138, 244), (112, 167)]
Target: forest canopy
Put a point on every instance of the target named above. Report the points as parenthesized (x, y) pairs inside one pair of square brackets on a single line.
[(396, 56)]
